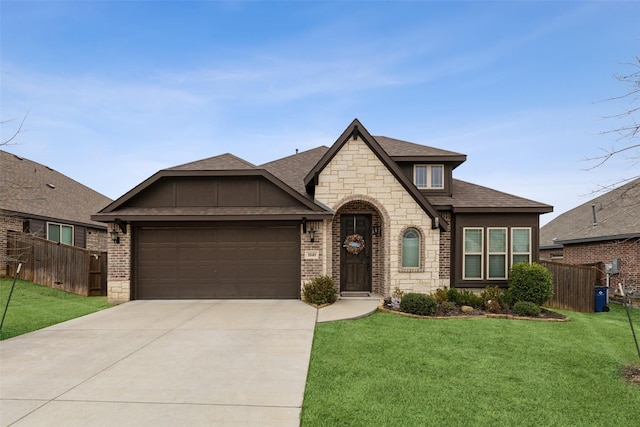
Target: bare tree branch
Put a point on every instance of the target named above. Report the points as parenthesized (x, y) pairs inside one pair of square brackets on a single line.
[(17, 132)]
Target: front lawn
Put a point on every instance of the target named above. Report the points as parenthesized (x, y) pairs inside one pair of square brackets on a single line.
[(390, 370), (35, 307)]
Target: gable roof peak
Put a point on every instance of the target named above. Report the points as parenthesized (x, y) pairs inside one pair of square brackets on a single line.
[(225, 161), (357, 131)]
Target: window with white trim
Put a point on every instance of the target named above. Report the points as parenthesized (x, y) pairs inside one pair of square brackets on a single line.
[(520, 245), (497, 253), (473, 253), (428, 176), (411, 249), (60, 233), (491, 257)]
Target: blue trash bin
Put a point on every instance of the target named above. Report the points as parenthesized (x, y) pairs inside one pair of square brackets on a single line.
[(601, 298)]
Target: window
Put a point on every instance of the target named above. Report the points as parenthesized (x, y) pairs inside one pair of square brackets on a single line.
[(520, 245), (473, 245), (491, 259), (60, 233), (428, 176), (411, 249), (497, 249)]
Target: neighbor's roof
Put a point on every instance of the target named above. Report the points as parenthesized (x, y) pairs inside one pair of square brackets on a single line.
[(617, 216), (37, 191)]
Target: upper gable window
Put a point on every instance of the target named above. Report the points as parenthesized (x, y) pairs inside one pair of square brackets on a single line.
[(427, 177)]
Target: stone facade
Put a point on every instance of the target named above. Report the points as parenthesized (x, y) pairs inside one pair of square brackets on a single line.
[(119, 268), (356, 174)]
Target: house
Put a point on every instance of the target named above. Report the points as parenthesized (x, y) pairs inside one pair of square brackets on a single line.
[(36, 199), (605, 229), (374, 213)]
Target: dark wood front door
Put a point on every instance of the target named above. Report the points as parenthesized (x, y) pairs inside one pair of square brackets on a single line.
[(355, 269)]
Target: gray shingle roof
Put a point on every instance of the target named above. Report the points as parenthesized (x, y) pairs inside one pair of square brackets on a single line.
[(617, 216), (222, 162), (30, 188), (398, 148), (472, 196), (292, 169)]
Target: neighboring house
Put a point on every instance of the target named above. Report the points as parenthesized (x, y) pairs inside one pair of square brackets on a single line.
[(373, 213), (36, 199), (605, 229)]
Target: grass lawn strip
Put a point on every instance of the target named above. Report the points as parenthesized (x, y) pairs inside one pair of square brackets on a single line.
[(34, 307), (393, 370)]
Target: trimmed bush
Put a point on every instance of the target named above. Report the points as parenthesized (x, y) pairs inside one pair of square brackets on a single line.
[(441, 295), (526, 308), (531, 283), (321, 290), (422, 304)]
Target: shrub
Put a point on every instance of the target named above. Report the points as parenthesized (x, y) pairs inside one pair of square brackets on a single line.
[(448, 306), (531, 283), (467, 297), (321, 290), (453, 295), (526, 308), (493, 299), (422, 304), (492, 306), (441, 295)]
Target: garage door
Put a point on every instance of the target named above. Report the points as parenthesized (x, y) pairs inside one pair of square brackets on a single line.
[(217, 262)]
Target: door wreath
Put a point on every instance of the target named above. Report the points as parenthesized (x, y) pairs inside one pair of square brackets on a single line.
[(354, 244)]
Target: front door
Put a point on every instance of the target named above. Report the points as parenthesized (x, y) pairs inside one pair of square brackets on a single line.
[(355, 253)]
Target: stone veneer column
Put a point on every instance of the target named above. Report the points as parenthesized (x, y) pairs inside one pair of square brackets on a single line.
[(119, 267)]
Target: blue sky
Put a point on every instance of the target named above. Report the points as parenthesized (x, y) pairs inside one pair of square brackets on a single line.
[(117, 90)]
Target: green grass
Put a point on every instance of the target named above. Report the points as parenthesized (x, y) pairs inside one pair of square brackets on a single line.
[(34, 307), (390, 370)]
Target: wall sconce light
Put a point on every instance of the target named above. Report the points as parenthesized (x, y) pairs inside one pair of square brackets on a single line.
[(376, 230), (312, 234), (115, 236)]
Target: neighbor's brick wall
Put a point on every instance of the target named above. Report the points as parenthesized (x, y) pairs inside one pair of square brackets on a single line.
[(7, 223), (356, 171), (627, 250), (119, 268)]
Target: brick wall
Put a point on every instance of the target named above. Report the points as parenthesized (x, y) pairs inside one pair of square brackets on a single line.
[(7, 223), (119, 267), (97, 239), (445, 252), (355, 173), (627, 250)]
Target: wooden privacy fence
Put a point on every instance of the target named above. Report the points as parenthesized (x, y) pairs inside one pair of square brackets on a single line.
[(76, 270), (573, 285)]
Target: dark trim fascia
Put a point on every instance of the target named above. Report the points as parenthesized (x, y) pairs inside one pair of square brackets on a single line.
[(540, 210), (355, 129), (213, 218), (454, 161), (600, 239)]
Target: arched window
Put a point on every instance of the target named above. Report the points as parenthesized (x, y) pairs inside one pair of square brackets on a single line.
[(411, 249)]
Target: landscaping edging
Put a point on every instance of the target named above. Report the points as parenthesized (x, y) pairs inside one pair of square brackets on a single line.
[(383, 309)]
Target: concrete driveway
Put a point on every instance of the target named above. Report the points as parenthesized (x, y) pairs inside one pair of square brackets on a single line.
[(162, 363)]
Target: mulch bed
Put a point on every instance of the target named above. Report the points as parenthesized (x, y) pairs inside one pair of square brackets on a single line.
[(457, 313)]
